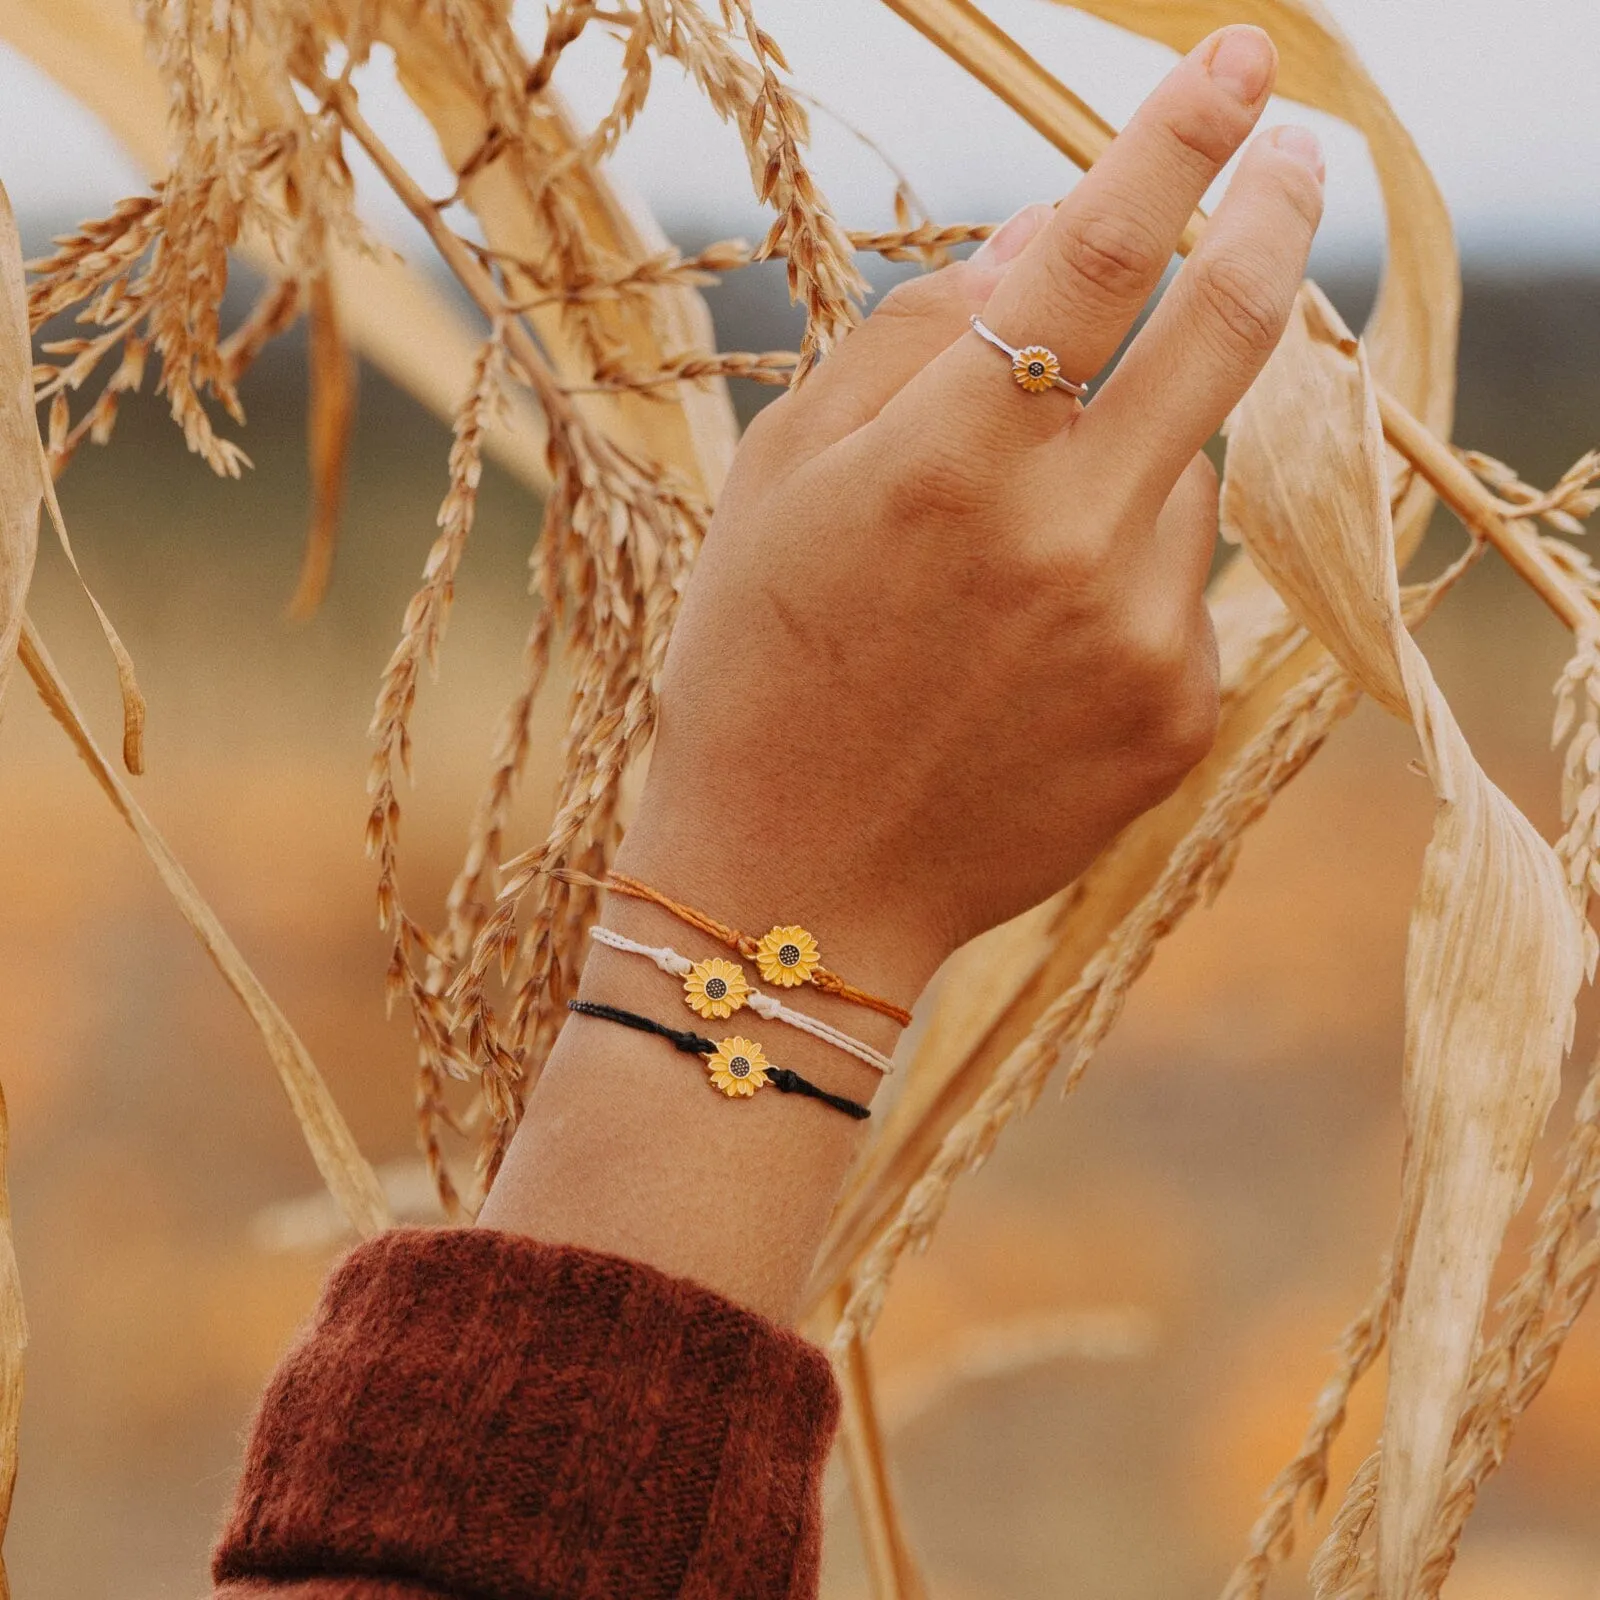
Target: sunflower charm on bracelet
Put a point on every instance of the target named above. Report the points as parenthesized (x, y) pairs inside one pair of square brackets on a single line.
[(715, 988), (738, 1068), (787, 957), (1035, 368)]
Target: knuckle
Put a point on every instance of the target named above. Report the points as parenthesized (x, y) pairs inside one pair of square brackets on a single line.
[(1116, 256), (765, 444), (1083, 552), (1159, 664), (847, 407), (917, 298), (1303, 194), (1178, 694), (1208, 133), (1239, 299), (1193, 719), (765, 425), (1087, 563), (1202, 470), (934, 486)]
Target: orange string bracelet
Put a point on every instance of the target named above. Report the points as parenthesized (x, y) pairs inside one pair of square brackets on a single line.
[(786, 956)]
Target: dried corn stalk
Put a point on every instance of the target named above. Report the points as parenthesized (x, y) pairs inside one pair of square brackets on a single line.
[(330, 423), (21, 489), (890, 1561)]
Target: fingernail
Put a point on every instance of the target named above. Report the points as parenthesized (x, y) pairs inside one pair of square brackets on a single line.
[(1241, 62), (1303, 145), (1010, 239)]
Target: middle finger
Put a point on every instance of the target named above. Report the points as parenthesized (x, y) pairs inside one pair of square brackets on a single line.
[(1083, 279)]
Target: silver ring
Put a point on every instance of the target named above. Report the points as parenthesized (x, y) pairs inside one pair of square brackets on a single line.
[(1033, 366)]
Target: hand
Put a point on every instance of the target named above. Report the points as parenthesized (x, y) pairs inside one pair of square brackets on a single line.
[(944, 640), (947, 637)]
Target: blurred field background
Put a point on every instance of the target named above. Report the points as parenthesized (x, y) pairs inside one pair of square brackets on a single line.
[(1115, 1339)]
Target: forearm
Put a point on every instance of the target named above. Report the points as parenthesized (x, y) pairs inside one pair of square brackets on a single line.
[(626, 1148)]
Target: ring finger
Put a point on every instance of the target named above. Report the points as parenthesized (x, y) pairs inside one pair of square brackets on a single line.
[(1082, 280)]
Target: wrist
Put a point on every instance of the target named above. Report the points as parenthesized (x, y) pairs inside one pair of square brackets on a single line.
[(865, 929), (734, 1193)]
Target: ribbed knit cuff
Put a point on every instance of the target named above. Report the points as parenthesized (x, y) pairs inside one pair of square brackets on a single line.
[(475, 1413)]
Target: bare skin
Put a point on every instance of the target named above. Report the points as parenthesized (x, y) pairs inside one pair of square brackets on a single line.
[(946, 638)]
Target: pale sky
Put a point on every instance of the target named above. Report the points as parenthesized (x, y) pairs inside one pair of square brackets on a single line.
[(1503, 99)]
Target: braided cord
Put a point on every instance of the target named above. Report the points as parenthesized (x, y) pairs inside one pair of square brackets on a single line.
[(829, 982), (694, 1044), (764, 1005), (668, 959), (788, 1082)]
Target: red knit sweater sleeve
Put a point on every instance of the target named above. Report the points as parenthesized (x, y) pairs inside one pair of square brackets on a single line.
[(476, 1416)]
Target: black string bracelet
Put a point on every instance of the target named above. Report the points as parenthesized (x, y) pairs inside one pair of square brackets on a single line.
[(735, 1070)]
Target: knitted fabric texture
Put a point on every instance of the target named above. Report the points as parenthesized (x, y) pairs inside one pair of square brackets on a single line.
[(472, 1413)]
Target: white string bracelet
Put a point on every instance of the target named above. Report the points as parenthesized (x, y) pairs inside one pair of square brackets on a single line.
[(764, 1005)]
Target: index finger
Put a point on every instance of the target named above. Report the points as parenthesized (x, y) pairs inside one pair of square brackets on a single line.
[(1222, 318)]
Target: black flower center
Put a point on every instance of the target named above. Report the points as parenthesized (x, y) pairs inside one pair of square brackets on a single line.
[(1036, 369), (716, 988), (789, 955), (739, 1067)]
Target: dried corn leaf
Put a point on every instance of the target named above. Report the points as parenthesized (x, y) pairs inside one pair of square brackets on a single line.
[(332, 421), (13, 1340), (891, 1564), (133, 708), (1495, 956), (1020, 976), (344, 1169), (392, 314), (25, 480), (21, 486)]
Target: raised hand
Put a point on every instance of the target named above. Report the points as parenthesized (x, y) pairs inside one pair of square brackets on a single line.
[(947, 636)]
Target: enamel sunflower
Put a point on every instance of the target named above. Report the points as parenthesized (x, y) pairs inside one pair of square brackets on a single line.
[(1035, 368), (787, 957), (715, 988), (738, 1068)]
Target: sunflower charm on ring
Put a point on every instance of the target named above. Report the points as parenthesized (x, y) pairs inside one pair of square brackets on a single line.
[(1035, 368)]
